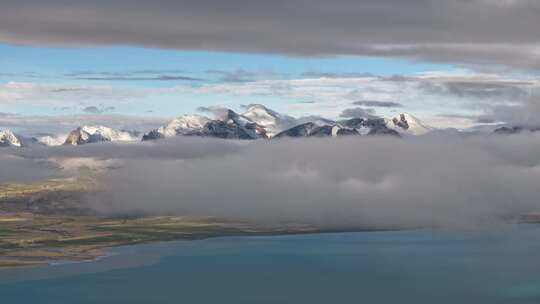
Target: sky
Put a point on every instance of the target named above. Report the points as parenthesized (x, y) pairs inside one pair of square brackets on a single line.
[(451, 63), (124, 70)]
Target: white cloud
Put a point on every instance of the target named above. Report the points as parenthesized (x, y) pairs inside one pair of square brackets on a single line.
[(64, 95)]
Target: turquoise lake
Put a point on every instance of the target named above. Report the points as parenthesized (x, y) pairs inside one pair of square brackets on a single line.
[(492, 265)]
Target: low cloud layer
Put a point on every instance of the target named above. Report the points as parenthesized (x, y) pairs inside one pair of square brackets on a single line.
[(343, 182), (471, 32), (19, 169), (340, 182)]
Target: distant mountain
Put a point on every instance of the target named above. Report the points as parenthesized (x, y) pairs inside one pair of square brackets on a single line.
[(354, 126), (52, 140), (93, 134), (321, 121), (303, 130), (408, 124), (185, 125), (9, 139), (260, 122), (256, 122), (271, 121), (404, 124)]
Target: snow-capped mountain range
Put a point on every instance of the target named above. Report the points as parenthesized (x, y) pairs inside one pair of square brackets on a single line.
[(80, 136), (260, 122), (256, 122)]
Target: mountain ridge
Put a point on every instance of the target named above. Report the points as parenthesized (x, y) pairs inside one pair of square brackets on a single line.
[(255, 122)]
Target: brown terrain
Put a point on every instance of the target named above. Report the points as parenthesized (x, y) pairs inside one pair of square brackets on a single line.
[(45, 221)]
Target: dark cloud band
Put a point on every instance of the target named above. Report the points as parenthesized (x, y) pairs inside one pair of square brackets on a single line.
[(472, 32)]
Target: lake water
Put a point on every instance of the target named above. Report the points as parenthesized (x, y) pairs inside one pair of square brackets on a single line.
[(496, 265)]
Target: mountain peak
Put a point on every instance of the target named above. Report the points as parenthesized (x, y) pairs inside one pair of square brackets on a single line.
[(258, 121), (9, 139), (408, 124), (272, 121), (92, 134)]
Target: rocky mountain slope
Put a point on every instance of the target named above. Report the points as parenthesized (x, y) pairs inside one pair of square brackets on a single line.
[(260, 122), (256, 122), (94, 134), (9, 139)]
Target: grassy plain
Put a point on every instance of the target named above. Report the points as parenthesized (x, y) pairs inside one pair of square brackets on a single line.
[(48, 220)]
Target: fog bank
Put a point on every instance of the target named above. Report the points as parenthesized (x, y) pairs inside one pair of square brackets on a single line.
[(339, 182), (331, 182)]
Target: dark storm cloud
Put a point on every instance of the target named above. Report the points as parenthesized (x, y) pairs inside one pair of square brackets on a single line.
[(473, 31), (378, 104)]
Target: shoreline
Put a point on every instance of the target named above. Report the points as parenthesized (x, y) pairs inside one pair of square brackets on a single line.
[(38, 240), (101, 252)]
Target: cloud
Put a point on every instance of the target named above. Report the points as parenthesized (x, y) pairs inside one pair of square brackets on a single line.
[(332, 182), (343, 182), (509, 90), (521, 114), (37, 125), (137, 75), (18, 169), (357, 112), (379, 104), (170, 149), (465, 32), (314, 74), (97, 110), (155, 78), (427, 96), (241, 75), (217, 112), (61, 95)]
